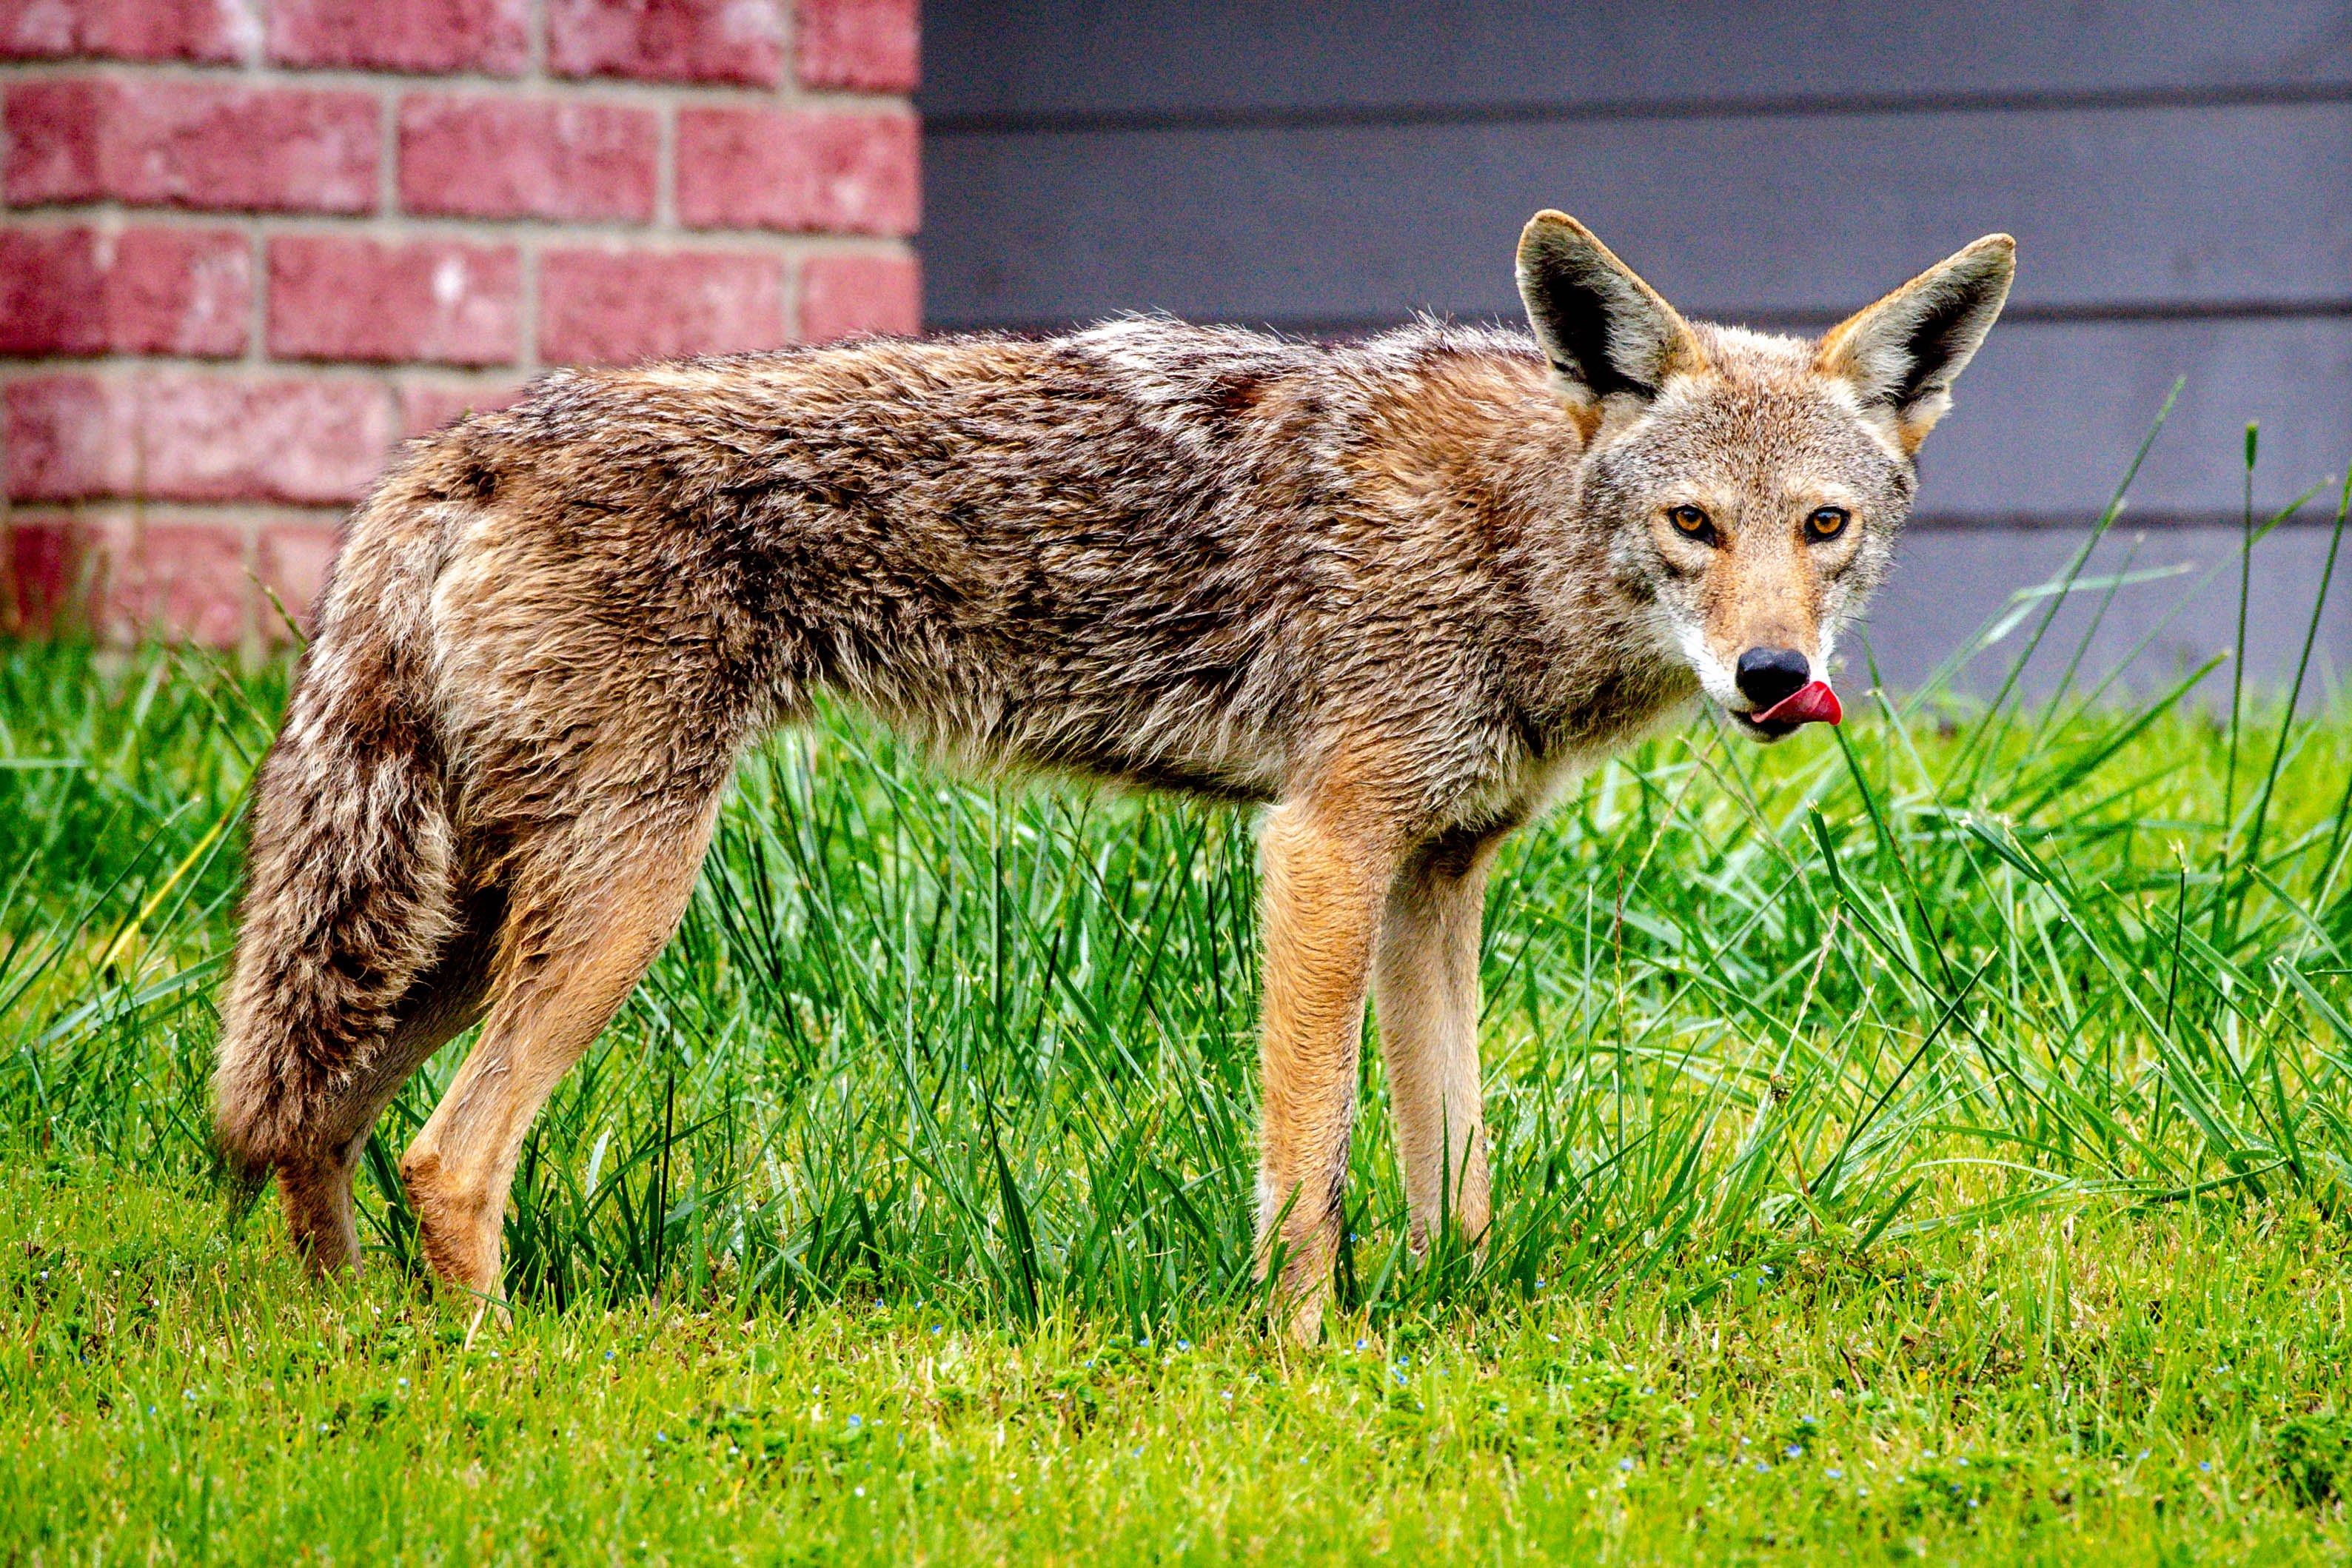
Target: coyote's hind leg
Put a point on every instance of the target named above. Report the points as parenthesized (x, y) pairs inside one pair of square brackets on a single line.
[(584, 919), (315, 1185)]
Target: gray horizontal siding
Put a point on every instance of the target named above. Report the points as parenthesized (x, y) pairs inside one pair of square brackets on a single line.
[(2050, 413), (1945, 585), (1098, 62), (1742, 215)]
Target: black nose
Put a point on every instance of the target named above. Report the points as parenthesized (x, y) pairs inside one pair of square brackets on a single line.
[(1767, 674)]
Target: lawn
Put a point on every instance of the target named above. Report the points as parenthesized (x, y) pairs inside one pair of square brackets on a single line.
[(1923, 1139)]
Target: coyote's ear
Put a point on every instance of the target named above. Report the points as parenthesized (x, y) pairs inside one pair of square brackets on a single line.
[(1903, 353), (1605, 330)]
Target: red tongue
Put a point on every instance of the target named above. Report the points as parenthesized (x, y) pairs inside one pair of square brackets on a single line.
[(1813, 704)]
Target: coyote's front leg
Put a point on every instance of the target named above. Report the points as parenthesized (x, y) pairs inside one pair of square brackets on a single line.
[(1425, 1004), (1325, 877)]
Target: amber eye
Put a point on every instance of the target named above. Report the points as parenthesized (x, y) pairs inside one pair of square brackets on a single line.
[(1826, 523), (1692, 523)]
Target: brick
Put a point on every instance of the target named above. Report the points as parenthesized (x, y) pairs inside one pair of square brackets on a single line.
[(45, 571), (436, 36), (194, 436), (294, 560), (73, 436), (495, 157), (214, 31), (99, 570), (217, 438), (63, 565), (347, 298), (81, 290), (206, 144), (56, 140), (841, 296), (867, 46), (426, 405), (179, 291), (599, 307), (740, 41), (799, 170), (182, 582)]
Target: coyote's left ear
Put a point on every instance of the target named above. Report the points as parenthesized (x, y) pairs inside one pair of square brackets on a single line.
[(1903, 353), (1605, 330)]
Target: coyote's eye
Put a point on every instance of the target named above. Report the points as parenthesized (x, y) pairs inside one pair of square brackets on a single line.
[(1692, 523), (1826, 523)]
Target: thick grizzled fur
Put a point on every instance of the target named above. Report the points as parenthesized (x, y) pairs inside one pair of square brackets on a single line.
[(1395, 589)]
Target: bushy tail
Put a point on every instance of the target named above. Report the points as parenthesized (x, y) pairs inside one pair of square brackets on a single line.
[(350, 874)]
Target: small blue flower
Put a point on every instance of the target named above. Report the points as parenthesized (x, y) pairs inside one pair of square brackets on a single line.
[(856, 1422), (2205, 1463), (1792, 1452), (1625, 1464), (1834, 1475), (1183, 1344)]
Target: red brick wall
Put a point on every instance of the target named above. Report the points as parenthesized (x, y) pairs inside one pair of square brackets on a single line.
[(247, 246)]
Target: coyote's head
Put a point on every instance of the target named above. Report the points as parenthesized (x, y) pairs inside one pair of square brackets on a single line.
[(1751, 486)]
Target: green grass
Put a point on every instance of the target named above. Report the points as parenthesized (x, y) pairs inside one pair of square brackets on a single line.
[(1927, 1138)]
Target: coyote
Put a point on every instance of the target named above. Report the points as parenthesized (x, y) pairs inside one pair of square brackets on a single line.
[(1397, 591)]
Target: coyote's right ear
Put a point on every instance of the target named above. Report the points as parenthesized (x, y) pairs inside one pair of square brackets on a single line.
[(1605, 330)]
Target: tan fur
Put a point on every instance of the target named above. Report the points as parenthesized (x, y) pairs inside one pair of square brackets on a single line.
[(588, 945), (1425, 1000), (1325, 873), (1396, 590)]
